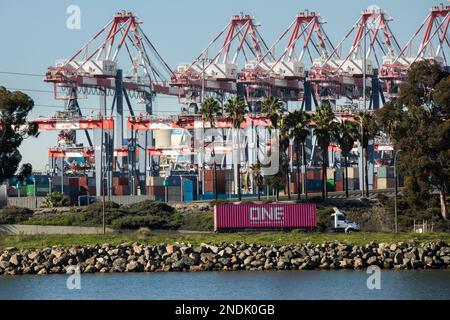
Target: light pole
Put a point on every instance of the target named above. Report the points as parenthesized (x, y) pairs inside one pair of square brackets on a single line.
[(396, 189), (363, 169), (102, 173)]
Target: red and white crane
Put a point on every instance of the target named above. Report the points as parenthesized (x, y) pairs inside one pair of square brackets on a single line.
[(341, 75), (95, 64), (434, 44), (215, 69), (283, 74)]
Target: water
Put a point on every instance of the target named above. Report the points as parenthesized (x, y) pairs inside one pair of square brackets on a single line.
[(426, 284)]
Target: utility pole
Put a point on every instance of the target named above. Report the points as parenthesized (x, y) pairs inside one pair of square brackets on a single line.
[(102, 171), (396, 190), (363, 171)]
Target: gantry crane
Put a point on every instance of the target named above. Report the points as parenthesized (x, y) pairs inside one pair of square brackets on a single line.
[(215, 70), (433, 45), (340, 76), (97, 69), (283, 74)]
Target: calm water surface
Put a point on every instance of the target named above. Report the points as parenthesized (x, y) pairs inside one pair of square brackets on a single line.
[(426, 284)]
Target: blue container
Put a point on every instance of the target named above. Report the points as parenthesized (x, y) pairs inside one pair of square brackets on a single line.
[(174, 180), (314, 184), (189, 196), (189, 185), (339, 174), (13, 181), (71, 190)]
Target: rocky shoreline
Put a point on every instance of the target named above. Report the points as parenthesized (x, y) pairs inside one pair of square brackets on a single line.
[(224, 257)]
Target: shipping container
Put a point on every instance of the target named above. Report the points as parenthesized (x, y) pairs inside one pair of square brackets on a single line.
[(314, 185), (313, 173), (121, 190), (330, 173), (339, 174), (385, 172), (330, 185), (264, 216), (38, 190), (353, 172), (339, 185), (385, 183)]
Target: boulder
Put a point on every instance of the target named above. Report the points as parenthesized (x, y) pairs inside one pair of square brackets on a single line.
[(132, 266), (15, 260), (398, 258)]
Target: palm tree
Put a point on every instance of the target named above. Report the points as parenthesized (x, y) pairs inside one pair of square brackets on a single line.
[(298, 121), (284, 145), (346, 135), (324, 129), (236, 109), (273, 108), (210, 109), (257, 177), (368, 130)]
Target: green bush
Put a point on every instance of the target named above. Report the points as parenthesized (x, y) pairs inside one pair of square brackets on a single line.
[(149, 207), (63, 220), (54, 199), (219, 202), (93, 214), (151, 222), (198, 222), (324, 218), (11, 215)]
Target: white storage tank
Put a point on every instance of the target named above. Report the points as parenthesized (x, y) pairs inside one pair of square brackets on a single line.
[(163, 138)]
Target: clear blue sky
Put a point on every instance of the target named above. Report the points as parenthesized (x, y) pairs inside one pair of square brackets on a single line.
[(34, 35)]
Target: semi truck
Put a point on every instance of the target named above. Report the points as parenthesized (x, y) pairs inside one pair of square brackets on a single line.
[(276, 216), (340, 223)]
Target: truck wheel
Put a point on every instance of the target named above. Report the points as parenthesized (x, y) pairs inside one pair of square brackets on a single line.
[(349, 231)]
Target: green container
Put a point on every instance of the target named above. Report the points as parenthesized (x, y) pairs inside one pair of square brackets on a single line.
[(41, 190), (330, 184), (385, 172)]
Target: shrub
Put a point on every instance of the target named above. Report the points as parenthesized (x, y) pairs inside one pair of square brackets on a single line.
[(92, 214), (149, 207), (198, 222), (54, 199), (136, 222), (143, 232), (218, 202), (11, 215)]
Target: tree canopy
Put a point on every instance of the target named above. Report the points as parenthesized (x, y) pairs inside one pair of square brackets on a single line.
[(418, 125), (14, 128)]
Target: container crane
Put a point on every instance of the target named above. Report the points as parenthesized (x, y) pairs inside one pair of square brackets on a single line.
[(284, 75), (215, 70), (94, 70), (342, 77), (434, 45)]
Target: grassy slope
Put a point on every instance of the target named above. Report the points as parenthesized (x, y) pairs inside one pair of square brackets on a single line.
[(280, 238)]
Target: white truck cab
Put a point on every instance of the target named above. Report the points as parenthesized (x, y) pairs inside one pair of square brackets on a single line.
[(341, 224)]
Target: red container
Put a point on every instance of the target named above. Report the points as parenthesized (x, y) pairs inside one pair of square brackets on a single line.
[(265, 216), (73, 182), (156, 190), (83, 181), (314, 174), (339, 185), (92, 190)]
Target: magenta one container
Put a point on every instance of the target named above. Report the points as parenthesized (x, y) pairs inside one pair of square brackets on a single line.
[(265, 216)]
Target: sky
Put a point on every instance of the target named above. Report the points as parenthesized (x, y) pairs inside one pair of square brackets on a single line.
[(34, 34)]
